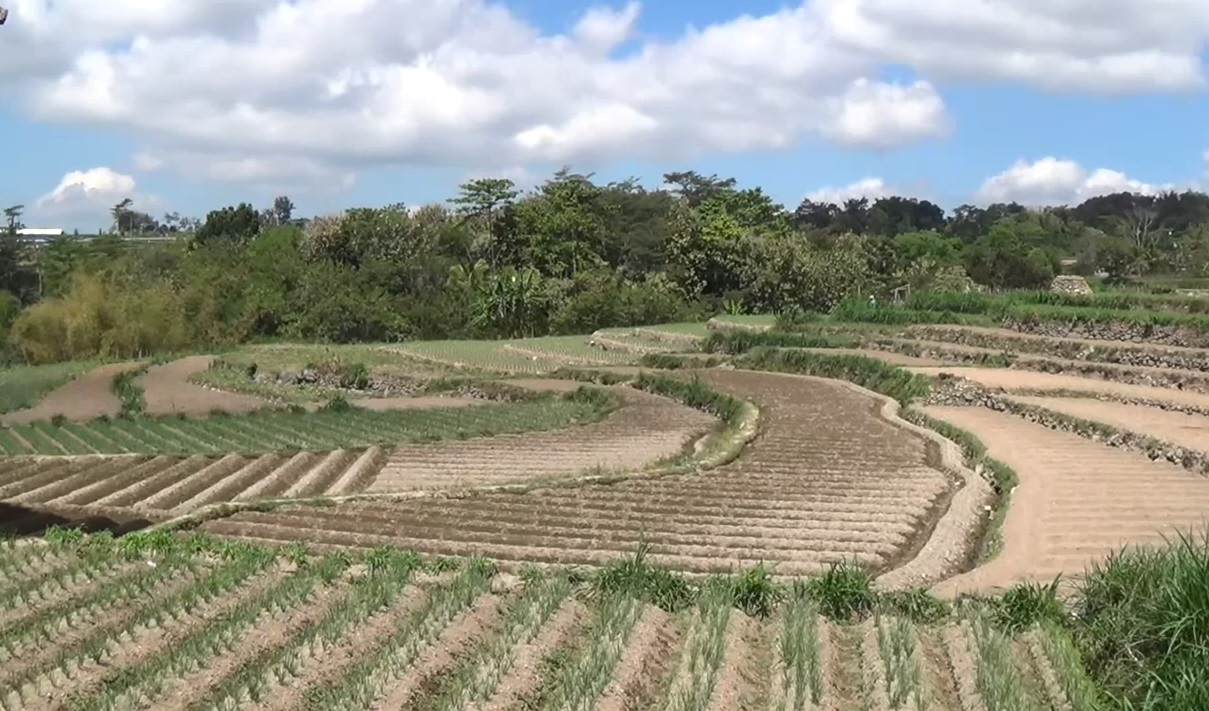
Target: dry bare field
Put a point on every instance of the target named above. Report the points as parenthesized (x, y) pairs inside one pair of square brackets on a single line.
[(174, 625), (1077, 500), (828, 479), (169, 392)]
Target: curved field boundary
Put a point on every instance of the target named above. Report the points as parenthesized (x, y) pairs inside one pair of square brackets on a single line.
[(828, 480), (717, 449), (168, 391), (645, 429), (88, 396), (950, 545), (1077, 500)]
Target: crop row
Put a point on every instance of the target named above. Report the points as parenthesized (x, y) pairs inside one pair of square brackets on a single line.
[(287, 431), (182, 484), (189, 623), (828, 480)]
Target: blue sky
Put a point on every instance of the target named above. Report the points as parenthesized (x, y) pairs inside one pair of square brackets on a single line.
[(773, 100)]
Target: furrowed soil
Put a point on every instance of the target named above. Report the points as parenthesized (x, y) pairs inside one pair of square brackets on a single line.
[(643, 430), (168, 391), (827, 480), (1077, 500), (273, 650), (88, 396)]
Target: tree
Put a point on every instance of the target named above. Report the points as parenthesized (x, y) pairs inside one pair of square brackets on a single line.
[(12, 217), (121, 213), (484, 198), (236, 224), (283, 210)]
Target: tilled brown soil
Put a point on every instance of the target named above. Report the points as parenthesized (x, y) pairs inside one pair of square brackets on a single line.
[(828, 479), (1027, 380), (88, 396), (1077, 500), (168, 391), (644, 429), (1186, 430)]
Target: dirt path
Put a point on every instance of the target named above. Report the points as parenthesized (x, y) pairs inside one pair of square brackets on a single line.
[(1180, 428), (828, 479), (168, 391), (644, 429), (1028, 380), (1077, 500), (88, 396)]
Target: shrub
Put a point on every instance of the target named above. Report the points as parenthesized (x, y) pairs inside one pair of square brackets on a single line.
[(892, 381)]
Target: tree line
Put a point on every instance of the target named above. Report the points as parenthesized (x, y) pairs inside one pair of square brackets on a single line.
[(569, 256)]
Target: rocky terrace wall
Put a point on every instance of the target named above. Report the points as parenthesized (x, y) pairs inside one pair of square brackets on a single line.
[(1111, 331)]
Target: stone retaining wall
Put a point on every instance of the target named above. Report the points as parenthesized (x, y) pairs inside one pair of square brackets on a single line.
[(958, 392), (1147, 357), (1111, 331)]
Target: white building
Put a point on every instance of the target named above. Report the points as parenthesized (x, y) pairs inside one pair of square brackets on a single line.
[(40, 232)]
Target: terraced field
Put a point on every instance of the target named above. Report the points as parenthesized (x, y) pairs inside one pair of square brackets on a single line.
[(645, 429), (96, 624), (273, 431), (1077, 500), (158, 488), (523, 356), (168, 391), (829, 479)]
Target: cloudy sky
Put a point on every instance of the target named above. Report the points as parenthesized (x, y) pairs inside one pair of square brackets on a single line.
[(185, 105)]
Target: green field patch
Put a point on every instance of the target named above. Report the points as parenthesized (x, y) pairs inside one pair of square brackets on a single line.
[(271, 431), (22, 386)]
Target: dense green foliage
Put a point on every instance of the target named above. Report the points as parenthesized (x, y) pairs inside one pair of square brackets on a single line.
[(570, 256)]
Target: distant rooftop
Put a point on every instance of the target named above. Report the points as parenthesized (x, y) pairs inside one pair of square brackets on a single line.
[(40, 231)]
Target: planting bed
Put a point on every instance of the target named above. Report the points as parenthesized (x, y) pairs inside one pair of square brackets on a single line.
[(828, 479), (646, 428), (88, 396), (1077, 500), (269, 431), (176, 628), (168, 391), (162, 486), (884, 356)]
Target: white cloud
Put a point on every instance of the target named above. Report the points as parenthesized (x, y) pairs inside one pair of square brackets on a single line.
[(871, 188), (1056, 181), (1109, 46), (86, 196), (342, 85), (886, 115)]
